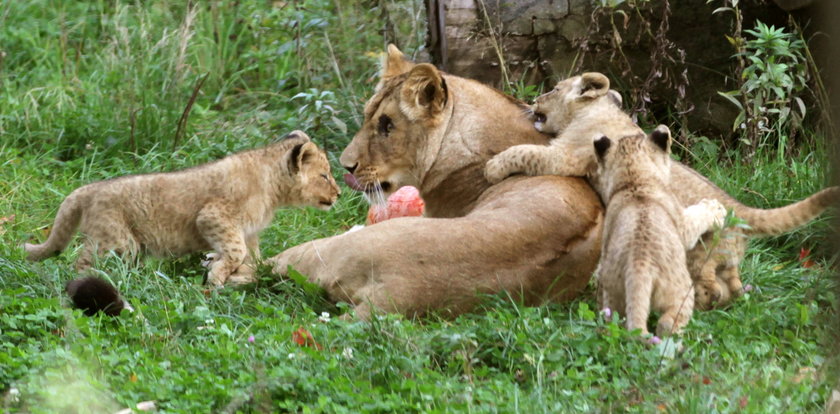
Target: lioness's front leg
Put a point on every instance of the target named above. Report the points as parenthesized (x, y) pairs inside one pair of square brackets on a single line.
[(413, 265)]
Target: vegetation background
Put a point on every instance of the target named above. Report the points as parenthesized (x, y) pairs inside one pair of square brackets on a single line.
[(98, 89)]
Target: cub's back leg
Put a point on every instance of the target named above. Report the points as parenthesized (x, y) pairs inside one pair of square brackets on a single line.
[(675, 299), (104, 233), (217, 224)]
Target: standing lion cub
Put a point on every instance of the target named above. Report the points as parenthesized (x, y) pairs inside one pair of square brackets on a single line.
[(222, 205), (647, 232)]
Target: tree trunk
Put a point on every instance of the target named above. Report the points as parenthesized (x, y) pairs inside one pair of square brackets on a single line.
[(529, 41)]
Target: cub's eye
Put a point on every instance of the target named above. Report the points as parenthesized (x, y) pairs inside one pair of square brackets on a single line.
[(385, 125), (324, 176)]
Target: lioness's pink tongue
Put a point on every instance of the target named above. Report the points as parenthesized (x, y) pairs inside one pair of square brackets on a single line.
[(351, 182)]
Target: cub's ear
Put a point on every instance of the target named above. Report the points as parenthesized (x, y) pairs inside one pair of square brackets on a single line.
[(424, 93), (661, 136), (602, 144), (300, 155), (593, 85), (297, 134), (394, 63)]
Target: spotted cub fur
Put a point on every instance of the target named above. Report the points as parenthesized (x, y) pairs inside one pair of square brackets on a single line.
[(647, 232), (220, 206)]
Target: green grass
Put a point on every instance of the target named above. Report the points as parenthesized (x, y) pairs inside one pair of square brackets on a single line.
[(75, 72)]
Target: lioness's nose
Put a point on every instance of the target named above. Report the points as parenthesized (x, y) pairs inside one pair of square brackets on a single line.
[(351, 168)]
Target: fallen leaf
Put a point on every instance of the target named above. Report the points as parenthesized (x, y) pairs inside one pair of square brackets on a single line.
[(661, 407), (133, 377), (803, 253), (706, 381), (743, 401), (302, 337)]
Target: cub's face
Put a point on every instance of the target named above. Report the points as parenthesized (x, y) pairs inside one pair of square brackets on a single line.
[(409, 101), (634, 158), (316, 186), (553, 111)]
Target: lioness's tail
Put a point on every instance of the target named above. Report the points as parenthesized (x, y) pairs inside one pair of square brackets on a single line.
[(66, 221), (779, 220)]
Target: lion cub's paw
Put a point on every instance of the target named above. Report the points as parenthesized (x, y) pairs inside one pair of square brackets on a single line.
[(707, 294), (209, 259), (715, 210), (495, 170)]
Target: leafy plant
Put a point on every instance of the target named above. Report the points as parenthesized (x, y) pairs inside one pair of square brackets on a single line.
[(318, 110), (774, 73)]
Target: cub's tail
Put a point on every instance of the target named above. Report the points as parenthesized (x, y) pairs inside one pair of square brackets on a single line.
[(66, 221), (779, 220)]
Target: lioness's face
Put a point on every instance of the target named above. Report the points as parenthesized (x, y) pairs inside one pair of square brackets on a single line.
[(382, 157), (382, 154), (553, 111)]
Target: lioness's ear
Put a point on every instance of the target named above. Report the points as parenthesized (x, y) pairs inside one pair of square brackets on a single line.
[(424, 93), (601, 146), (394, 63), (300, 155), (661, 136), (594, 85)]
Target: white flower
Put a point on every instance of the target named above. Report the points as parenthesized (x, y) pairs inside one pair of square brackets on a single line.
[(292, 355), (347, 353), (325, 317)]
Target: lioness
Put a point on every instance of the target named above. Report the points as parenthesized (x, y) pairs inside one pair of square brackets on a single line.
[(537, 238), (222, 205), (647, 232), (582, 105)]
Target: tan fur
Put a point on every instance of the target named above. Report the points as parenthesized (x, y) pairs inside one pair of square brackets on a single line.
[(536, 238), (582, 105), (646, 234), (221, 206)]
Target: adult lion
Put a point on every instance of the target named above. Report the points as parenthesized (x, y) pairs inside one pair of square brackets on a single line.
[(537, 238)]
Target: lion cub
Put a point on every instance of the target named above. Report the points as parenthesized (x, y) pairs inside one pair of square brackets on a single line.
[(647, 232), (582, 105), (222, 205)]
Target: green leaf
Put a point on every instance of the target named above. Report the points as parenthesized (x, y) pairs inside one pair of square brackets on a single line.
[(303, 282), (730, 97)]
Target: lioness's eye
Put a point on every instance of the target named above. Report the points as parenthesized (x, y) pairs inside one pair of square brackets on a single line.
[(385, 125), (324, 176)]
